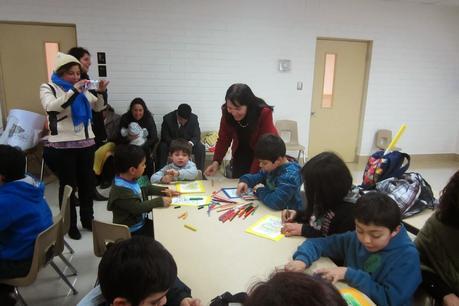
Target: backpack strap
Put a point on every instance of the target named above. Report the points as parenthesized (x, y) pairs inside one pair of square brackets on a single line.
[(52, 89)]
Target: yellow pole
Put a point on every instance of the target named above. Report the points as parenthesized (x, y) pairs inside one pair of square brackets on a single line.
[(394, 141)]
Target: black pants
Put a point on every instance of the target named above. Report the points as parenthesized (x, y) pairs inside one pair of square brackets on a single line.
[(74, 168), (435, 286), (11, 269), (199, 152), (145, 230)]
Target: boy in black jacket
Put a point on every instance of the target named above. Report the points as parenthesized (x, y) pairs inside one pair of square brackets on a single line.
[(139, 271)]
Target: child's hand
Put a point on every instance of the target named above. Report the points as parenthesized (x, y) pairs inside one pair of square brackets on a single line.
[(172, 172), (167, 179), (295, 266), (167, 201), (332, 274), (288, 215), (190, 302), (170, 193), (291, 229), (242, 188)]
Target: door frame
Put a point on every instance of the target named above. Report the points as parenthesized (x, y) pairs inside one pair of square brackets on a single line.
[(3, 113), (369, 44)]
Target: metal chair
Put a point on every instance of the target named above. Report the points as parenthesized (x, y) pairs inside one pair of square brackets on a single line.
[(383, 139), (65, 213), (288, 131), (105, 233), (44, 251), (64, 216)]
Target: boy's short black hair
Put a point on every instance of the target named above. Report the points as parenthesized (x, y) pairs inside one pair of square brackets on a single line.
[(127, 156), (135, 269), (378, 209), (184, 111), (294, 289), (12, 163), (270, 147), (180, 145)]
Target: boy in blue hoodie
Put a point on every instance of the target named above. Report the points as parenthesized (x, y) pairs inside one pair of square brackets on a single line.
[(278, 182), (24, 213), (380, 259)]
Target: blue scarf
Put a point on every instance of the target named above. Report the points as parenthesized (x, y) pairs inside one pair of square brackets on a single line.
[(81, 110)]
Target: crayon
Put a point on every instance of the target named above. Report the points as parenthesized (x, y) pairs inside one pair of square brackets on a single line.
[(249, 212), (190, 227), (178, 206)]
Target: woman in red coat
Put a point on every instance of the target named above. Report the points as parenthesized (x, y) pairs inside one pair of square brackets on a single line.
[(245, 118)]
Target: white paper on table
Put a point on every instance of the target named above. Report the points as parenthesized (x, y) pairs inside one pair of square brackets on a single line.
[(192, 200)]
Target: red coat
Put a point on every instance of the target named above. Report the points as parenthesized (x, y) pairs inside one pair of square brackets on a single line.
[(227, 133)]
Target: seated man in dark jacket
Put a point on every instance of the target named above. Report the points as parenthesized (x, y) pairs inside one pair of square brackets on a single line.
[(181, 123)]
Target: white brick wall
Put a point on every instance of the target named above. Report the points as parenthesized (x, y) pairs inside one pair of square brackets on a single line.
[(169, 52)]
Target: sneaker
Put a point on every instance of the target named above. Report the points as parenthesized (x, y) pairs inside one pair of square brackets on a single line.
[(74, 233)]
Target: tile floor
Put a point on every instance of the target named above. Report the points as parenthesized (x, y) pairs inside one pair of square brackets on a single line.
[(49, 289)]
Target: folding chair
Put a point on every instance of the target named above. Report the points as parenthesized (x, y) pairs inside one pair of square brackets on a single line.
[(44, 251), (288, 131)]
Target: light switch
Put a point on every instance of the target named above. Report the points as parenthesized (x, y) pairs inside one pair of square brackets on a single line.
[(284, 65), (299, 85)]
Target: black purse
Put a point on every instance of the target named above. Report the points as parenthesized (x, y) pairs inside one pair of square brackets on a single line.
[(226, 298)]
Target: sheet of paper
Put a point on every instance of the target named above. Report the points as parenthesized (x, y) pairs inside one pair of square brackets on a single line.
[(231, 193), (191, 200), (191, 187), (267, 227)]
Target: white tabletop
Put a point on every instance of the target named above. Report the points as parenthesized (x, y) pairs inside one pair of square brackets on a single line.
[(415, 223), (221, 257)]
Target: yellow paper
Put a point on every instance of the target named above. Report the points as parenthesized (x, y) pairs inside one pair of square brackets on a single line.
[(191, 187), (354, 297), (267, 227)]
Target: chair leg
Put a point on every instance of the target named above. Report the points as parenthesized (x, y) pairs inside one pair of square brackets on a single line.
[(71, 267), (68, 247), (18, 294), (42, 169), (64, 278)]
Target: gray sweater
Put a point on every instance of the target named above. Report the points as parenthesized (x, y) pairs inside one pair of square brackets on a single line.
[(188, 172)]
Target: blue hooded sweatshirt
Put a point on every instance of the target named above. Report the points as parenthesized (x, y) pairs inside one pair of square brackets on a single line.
[(282, 186), (389, 277), (24, 213)]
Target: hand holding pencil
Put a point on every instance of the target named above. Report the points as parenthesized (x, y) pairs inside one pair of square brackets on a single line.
[(288, 215)]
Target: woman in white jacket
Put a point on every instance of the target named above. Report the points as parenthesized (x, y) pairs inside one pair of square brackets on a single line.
[(68, 105)]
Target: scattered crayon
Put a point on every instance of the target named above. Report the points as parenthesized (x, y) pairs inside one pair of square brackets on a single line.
[(190, 227)]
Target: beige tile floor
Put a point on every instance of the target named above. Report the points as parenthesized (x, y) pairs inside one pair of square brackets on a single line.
[(49, 289)]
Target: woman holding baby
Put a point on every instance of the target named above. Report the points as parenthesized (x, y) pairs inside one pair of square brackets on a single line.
[(139, 113)]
